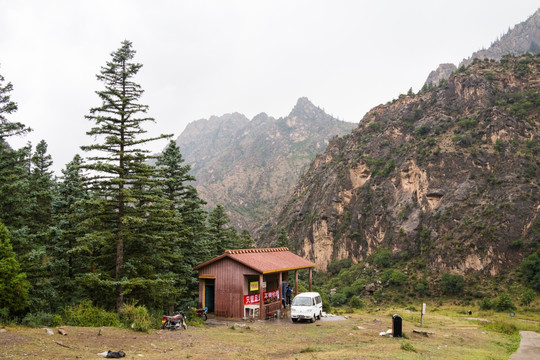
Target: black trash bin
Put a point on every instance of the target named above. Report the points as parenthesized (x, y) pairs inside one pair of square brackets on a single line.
[(397, 322)]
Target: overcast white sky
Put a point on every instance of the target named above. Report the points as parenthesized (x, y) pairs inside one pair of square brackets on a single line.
[(204, 58)]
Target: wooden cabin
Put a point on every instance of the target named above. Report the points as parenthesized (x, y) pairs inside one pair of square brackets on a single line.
[(241, 282)]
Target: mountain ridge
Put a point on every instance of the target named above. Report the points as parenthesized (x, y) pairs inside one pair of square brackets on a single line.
[(249, 165), (523, 37), (447, 177)]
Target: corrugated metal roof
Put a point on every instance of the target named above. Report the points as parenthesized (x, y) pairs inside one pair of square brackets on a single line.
[(265, 260)]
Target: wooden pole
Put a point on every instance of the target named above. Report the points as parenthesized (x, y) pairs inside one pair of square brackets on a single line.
[(310, 279), (261, 299), (295, 282)]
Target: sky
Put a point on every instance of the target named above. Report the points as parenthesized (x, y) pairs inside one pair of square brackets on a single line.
[(212, 57)]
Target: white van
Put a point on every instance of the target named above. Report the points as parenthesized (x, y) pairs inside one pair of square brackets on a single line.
[(306, 305)]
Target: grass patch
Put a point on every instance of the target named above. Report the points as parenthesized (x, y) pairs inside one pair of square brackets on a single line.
[(310, 349), (407, 346), (502, 327)]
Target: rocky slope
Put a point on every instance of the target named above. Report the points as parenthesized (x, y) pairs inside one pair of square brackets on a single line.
[(249, 166), (448, 177), (524, 37)]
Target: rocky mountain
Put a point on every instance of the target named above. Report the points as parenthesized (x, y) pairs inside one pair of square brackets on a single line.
[(448, 178), (524, 37), (248, 166)]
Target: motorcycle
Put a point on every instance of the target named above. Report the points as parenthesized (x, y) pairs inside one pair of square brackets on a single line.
[(203, 313), (174, 322)]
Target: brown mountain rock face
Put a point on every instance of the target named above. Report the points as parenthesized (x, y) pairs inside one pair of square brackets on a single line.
[(249, 166), (449, 177)]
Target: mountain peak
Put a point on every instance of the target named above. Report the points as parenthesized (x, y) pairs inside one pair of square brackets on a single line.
[(304, 107)]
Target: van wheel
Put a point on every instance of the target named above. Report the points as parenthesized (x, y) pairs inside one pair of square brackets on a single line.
[(319, 316), (312, 320), (294, 320)]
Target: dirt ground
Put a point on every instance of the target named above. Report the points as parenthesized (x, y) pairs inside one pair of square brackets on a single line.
[(355, 337)]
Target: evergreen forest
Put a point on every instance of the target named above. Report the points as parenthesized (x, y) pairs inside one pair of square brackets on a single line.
[(118, 226)]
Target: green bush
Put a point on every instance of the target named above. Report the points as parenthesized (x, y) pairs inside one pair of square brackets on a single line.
[(85, 314), (530, 267), (4, 315), (528, 297), (407, 346), (325, 302), (486, 304), (504, 303), (422, 287), (356, 303), (41, 319), (358, 285), (135, 317), (467, 123), (338, 299), (335, 267), (398, 278), (383, 257), (451, 284)]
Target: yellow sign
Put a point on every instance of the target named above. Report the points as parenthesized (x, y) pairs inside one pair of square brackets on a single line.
[(254, 286)]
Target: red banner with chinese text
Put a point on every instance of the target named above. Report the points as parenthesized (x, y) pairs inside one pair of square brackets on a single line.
[(255, 298)]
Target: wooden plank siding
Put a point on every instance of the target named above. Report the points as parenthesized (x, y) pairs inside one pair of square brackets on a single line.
[(230, 287)]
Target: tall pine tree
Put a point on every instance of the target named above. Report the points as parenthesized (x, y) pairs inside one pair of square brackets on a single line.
[(13, 284), (121, 177), (7, 106), (192, 240), (66, 261)]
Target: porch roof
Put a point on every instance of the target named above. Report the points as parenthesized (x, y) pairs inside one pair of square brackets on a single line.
[(264, 260)]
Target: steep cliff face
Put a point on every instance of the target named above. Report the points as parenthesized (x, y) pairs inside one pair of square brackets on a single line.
[(524, 37), (449, 176), (249, 166)]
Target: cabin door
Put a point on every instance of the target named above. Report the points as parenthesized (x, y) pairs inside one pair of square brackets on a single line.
[(209, 294)]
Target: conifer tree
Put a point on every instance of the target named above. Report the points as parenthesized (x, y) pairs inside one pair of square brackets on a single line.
[(7, 106), (13, 175), (33, 242), (14, 187), (41, 187), (13, 284), (283, 239), (245, 240), (221, 236), (190, 227), (120, 178), (68, 214)]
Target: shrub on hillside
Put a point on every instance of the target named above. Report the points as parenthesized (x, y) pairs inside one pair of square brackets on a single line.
[(356, 303), (528, 297), (338, 299), (504, 303), (486, 304), (530, 267), (383, 257), (335, 267), (422, 287), (451, 284)]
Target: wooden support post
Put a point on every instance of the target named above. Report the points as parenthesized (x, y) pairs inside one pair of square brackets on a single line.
[(281, 295), (295, 282), (261, 295), (310, 279)]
